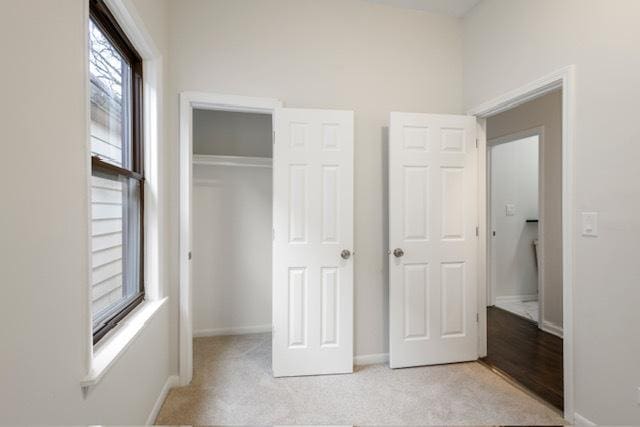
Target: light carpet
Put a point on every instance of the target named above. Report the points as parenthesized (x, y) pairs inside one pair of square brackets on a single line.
[(233, 385)]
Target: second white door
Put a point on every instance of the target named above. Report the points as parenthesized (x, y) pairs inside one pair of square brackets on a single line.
[(433, 239)]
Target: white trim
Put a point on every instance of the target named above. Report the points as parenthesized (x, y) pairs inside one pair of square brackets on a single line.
[(233, 330), (579, 420), (516, 298), (483, 229), (552, 328), (237, 103), (133, 25), (113, 346), (523, 94), (371, 359), (172, 381), (238, 161), (208, 101), (564, 79)]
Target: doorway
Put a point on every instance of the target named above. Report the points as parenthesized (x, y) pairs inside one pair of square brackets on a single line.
[(232, 221), (311, 234), (190, 104), (524, 257), (515, 279)]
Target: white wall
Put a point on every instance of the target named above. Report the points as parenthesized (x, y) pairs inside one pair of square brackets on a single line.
[(514, 181), (44, 258), (511, 42), (545, 112), (343, 54), (232, 224)]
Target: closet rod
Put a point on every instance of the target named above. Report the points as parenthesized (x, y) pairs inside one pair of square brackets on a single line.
[(236, 161)]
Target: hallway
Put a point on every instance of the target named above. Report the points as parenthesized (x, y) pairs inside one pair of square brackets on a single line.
[(530, 356)]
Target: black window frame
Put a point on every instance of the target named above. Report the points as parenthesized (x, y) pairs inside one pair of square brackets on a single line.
[(101, 16)]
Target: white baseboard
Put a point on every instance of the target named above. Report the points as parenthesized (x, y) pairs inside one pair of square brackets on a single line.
[(579, 420), (552, 328), (171, 382), (371, 359), (517, 298), (237, 330)]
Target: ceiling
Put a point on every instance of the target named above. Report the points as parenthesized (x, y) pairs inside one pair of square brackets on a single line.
[(446, 7)]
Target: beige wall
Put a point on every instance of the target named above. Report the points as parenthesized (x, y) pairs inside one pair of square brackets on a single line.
[(44, 252), (547, 112), (509, 43), (342, 54)]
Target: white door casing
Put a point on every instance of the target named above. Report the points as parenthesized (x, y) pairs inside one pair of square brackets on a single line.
[(433, 219), (313, 224)]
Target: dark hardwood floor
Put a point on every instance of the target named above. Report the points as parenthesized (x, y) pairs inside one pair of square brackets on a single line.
[(530, 356)]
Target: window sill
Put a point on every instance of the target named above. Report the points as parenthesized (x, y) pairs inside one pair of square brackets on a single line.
[(116, 343)]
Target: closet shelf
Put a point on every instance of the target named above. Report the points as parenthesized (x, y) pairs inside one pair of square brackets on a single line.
[(234, 161)]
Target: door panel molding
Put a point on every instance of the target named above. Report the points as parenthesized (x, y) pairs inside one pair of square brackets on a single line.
[(433, 220), (313, 232)]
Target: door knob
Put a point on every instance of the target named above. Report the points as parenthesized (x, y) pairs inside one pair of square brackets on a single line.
[(345, 254), (398, 252)]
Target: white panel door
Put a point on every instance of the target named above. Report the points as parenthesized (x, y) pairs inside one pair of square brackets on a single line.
[(313, 242), (432, 238)]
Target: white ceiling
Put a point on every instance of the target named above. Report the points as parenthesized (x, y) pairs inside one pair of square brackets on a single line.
[(446, 7)]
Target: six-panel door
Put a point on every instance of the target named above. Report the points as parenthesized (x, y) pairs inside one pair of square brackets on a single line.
[(313, 242), (432, 238)]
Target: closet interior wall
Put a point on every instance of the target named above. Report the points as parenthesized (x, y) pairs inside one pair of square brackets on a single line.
[(232, 222)]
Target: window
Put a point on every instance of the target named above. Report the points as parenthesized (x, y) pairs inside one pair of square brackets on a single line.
[(117, 181)]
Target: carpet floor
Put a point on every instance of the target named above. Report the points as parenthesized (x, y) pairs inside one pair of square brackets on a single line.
[(233, 385)]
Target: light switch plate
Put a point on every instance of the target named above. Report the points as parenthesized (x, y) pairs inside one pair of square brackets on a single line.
[(590, 224), (510, 209)]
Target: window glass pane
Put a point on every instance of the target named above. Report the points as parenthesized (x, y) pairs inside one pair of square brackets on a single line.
[(110, 92), (115, 239)]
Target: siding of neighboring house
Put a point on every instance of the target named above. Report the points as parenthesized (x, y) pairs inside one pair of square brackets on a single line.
[(106, 242), (106, 205)]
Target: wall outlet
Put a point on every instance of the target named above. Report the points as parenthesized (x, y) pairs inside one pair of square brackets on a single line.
[(590, 224), (510, 209)]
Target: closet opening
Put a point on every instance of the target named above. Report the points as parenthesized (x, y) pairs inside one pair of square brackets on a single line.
[(232, 238)]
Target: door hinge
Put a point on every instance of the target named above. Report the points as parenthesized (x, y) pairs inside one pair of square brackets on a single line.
[(476, 142), (189, 255), (477, 317), (273, 137), (477, 231)]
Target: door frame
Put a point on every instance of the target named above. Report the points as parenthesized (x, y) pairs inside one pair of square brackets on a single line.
[(564, 79), (188, 102), (539, 132)]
